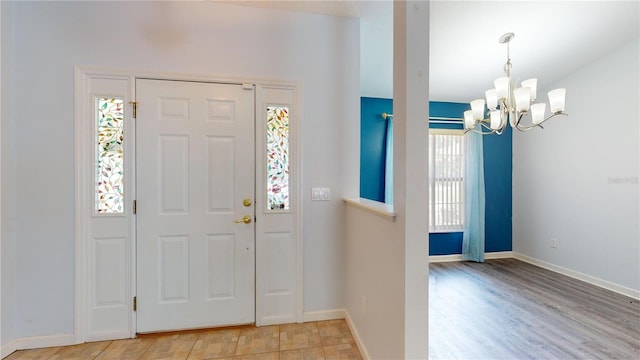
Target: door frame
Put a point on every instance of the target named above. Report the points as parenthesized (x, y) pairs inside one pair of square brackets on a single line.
[(84, 169)]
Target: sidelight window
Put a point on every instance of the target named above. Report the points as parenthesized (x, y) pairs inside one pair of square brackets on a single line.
[(277, 158), (109, 156)]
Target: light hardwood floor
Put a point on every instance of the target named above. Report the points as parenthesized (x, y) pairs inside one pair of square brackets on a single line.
[(314, 341), (502, 309), (508, 309)]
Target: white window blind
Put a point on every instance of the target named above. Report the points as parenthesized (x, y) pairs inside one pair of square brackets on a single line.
[(446, 180)]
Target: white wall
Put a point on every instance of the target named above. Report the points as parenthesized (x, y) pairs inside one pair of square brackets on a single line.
[(7, 200), (387, 261), (375, 283), (189, 37), (577, 180)]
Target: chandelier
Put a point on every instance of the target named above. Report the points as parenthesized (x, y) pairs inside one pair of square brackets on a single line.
[(506, 103)]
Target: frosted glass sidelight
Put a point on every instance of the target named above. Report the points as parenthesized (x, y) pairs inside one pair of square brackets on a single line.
[(277, 158), (109, 156)]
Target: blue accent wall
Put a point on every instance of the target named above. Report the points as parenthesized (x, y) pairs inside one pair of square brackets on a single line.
[(373, 137), (498, 192), (497, 173)]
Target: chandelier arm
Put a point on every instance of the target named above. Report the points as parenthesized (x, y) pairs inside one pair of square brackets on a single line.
[(480, 132), (511, 114), (498, 131), (519, 116), (527, 128), (504, 119), (485, 123), (522, 128), (554, 115)]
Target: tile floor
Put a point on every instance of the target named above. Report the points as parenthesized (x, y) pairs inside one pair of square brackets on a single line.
[(314, 340)]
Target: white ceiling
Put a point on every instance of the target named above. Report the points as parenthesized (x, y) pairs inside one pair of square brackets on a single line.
[(553, 39)]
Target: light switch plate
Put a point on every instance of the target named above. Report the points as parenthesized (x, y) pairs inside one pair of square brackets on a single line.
[(320, 194)]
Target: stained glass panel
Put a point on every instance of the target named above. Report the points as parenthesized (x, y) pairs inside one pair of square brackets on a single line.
[(277, 158), (109, 154)]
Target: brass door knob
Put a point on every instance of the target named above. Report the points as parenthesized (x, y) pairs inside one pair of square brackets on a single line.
[(247, 202), (245, 219)]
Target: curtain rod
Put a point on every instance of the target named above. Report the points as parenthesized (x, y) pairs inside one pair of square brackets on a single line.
[(433, 119)]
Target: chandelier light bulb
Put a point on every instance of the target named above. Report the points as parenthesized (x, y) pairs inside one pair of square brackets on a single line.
[(523, 98), (492, 99), (477, 108), (469, 123), (502, 87), (531, 84), (537, 113), (556, 100), (495, 120)]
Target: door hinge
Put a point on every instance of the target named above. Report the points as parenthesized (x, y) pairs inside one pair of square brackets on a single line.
[(135, 303), (135, 107), (135, 206)]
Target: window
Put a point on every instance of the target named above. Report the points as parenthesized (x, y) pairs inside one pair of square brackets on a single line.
[(446, 180), (277, 158), (109, 156)]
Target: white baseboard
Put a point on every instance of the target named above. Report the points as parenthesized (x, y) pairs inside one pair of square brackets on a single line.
[(8, 349), (580, 276), (458, 257), (445, 258), (498, 255), (632, 293), (356, 337), (323, 315), (35, 342)]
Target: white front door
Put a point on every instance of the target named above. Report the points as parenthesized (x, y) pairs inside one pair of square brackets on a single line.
[(195, 168)]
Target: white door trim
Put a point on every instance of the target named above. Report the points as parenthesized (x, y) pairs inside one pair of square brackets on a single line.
[(84, 178), (278, 234), (84, 188)]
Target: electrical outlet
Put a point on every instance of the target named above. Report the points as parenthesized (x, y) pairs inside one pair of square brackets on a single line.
[(554, 243)]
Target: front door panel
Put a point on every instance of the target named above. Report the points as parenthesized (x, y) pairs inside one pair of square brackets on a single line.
[(195, 168)]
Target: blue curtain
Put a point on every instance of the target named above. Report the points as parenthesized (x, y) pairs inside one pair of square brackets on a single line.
[(473, 233), (388, 165)]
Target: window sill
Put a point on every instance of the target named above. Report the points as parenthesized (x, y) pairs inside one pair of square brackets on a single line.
[(383, 210)]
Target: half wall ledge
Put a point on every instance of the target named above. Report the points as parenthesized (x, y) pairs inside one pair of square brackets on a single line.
[(383, 210)]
